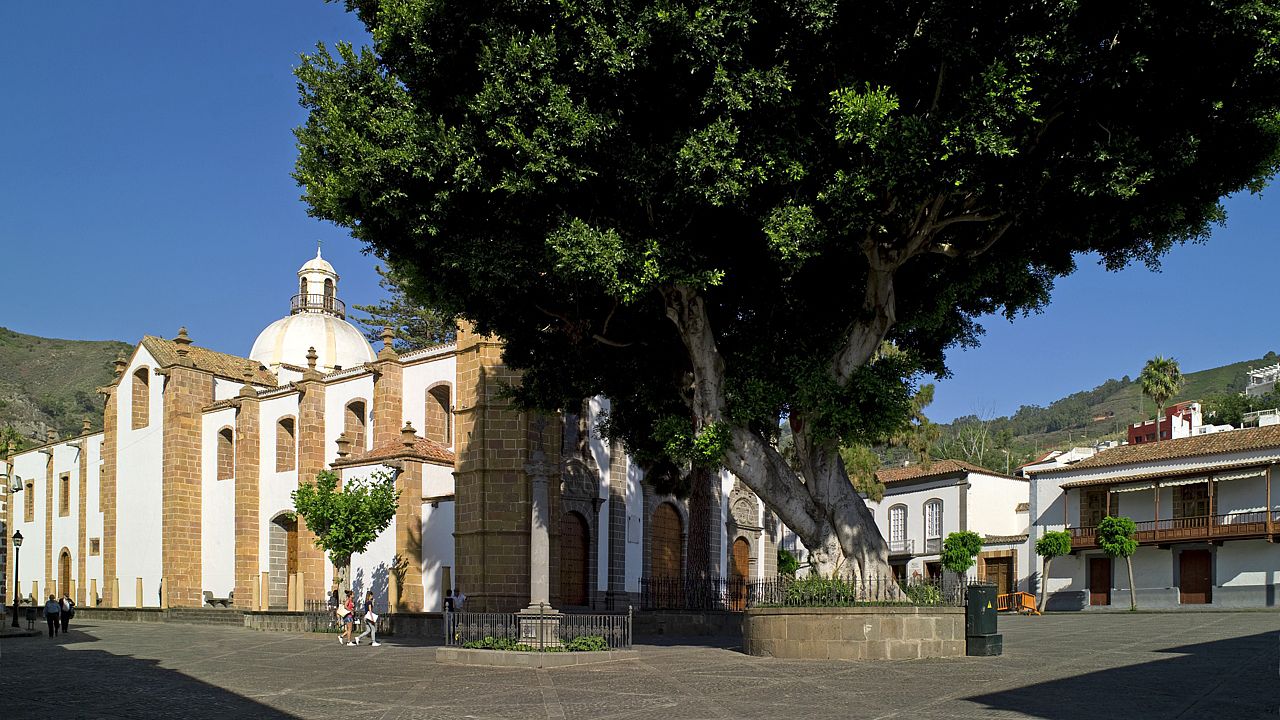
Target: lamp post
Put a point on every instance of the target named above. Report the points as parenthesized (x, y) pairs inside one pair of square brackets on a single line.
[(17, 595)]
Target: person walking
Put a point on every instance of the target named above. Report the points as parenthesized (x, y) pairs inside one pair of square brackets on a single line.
[(336, 611), (52, 611), (348, 617), (68, 611), (370, 622)]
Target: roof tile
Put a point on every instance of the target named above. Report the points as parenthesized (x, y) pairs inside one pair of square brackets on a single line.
[(1222, 442)]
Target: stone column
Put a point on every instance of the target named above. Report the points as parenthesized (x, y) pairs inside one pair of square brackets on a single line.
[(82, 541), (539, 622), (408, 596), (311, 460), (107, 487), (247, 506), (616, 597), (186, 391), (388, 390)]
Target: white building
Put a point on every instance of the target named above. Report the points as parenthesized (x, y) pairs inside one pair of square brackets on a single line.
[(1206, 517)]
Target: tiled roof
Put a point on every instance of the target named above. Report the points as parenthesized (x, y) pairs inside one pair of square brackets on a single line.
[(936, 468), (422, 449), (1212, 444), (1003, 539), (1164, 474), (1023, 507), (223, 365)]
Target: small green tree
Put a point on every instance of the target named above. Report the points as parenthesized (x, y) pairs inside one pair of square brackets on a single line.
[(415, 325), (345, 521), (787, 562), (1053, 544), (1161, 379), (959, 551), (1116, 537)]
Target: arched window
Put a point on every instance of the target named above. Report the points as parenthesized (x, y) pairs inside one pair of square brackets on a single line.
[(933, 526), (286, 445), (302, 289), (328, 293), (354, 425), (440, 415), (898, 528), (141, 398), (226, 454), (29, 503)]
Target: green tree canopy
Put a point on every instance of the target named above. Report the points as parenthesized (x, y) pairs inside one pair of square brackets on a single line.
[(415, 326), (1054, 543), (959, 550), (717, 212), (1117, 536), (345, 521)]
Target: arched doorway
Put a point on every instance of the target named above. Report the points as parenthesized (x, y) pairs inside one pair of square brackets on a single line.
[(64, 572), (739, 574), (282, 560), (575, 538)]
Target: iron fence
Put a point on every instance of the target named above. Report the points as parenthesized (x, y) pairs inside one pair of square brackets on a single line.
[(320, 616), (539, 631), (737, 594)]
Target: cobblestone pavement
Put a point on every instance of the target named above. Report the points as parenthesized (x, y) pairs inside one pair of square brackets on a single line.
[(1193, 665)]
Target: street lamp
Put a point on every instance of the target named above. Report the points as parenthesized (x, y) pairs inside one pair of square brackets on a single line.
[(17, 545)]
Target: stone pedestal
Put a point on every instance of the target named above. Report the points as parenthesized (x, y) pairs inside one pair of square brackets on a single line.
[(539, 626)]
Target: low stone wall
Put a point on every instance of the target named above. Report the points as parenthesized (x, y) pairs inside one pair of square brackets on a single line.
[(509, 658), (682, 623), (423, 625), (857, 633), (124, 614)]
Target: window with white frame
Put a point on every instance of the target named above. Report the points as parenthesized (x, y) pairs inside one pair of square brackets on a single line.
[(933, 519), (897, 524)]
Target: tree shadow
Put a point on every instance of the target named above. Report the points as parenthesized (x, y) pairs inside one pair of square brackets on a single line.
[(1232, 678), (47, 677)]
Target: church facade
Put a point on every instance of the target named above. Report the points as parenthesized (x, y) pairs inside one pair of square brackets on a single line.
[(185, 493)]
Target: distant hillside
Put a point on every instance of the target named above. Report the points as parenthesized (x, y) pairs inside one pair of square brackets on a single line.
[(47, 383), (1103, 412)]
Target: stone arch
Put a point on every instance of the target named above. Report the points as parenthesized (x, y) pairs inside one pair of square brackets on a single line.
[(743, 524), (580, 494), (141, 398), (439, 413), (282, 558), (354, 423), (226, 455), (286, 444)]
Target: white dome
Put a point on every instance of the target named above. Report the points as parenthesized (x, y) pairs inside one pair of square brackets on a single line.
[(317, 264), (336, 341)]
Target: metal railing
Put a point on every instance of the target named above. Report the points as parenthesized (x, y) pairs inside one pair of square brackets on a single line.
[(902, 545), (313, 302), (320, 616), (702, 592), (537, 631)]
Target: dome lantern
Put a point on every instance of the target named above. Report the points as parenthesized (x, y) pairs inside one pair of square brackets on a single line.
[(317, 289)]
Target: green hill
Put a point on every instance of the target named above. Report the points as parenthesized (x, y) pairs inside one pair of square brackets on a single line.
[(48, 383), (1102, 413)]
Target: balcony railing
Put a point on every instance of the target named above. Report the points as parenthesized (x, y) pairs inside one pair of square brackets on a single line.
[(1200, 527), (317, 303), (932, 546), (902, 546)]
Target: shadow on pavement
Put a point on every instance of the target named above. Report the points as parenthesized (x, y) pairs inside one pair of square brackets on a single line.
[(61, 677), (1234, 677)]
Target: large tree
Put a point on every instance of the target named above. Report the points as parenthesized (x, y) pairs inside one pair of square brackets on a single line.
[(720, 213)]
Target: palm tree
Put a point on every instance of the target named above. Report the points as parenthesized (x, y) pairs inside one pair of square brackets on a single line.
[(1161, 379)]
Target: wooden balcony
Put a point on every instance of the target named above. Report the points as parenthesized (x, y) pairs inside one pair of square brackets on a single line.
[(1232, 526)]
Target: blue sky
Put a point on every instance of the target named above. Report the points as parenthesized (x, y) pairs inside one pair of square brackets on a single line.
[(145, 151)]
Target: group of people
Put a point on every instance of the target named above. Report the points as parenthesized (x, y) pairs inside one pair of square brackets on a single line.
[(58, 613), (345, 612)]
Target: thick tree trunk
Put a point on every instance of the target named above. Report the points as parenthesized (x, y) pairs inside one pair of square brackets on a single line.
[(815, 500)]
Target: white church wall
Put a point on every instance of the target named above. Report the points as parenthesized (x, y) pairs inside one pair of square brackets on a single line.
[(274, 488), (66, 518), (138, 488), (30, 468), (224, 389), (336, 397), (217, 511), (370, 570), (726, 489), (418, 377), (600, 454), (437, 552), (437, 481), (93, 515), (634, 553)]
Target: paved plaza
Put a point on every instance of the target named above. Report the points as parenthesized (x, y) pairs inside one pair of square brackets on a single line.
[(1190, 665)]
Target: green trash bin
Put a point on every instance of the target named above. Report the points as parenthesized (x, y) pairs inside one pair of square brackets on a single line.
[(981, 638)]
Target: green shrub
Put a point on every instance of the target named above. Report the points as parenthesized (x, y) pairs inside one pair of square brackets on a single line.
[(587, 643), (923, 595), (787, 563)]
